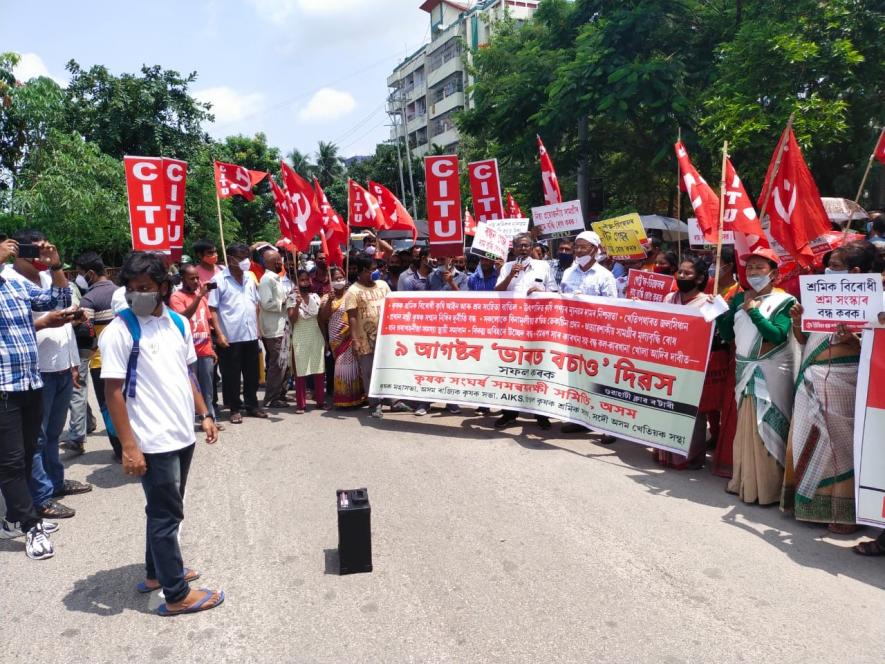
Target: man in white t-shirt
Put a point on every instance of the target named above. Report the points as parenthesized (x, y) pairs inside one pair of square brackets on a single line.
[(524, 276), (154, 421), (587, 276)]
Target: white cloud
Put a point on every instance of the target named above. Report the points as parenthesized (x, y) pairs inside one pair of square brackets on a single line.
[(31, 66), (229, 106), (327, 104)]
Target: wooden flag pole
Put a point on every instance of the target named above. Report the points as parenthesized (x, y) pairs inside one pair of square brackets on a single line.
[(721, 219), (678, 198), (777, 166), (869, 166), (347, 243), (220, 226)]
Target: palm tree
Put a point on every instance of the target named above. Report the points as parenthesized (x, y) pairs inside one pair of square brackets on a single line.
[(329, 166), (301, 163)]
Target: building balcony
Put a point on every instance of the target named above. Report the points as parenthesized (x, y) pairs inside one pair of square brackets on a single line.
[(445, 138), (416, 122), (455, 64), (454, 100)]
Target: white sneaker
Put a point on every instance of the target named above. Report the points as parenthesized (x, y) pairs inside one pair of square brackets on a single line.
[(420, 412), (10, 530), (377, 412), (37, 544)]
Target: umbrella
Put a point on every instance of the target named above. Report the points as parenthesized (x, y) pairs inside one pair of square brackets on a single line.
[(843, 210), (673, 229)]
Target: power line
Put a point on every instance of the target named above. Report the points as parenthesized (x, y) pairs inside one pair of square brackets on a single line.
[(362, 136), (359, 124)]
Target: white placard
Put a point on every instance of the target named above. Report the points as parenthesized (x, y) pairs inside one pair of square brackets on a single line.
[(829, 300), (559, 219), (489, 243), (509, 227), (696, 236)]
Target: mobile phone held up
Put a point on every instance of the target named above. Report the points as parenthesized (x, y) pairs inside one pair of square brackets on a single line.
[(30, 251), (211, 285)]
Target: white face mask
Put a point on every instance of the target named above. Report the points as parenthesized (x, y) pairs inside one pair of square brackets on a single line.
[(244, 264), (338, 284), (81, 282), (759, 283), (584, 261), (370, 250), (830, 270)]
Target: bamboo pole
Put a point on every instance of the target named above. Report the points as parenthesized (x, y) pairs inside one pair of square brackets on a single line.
[(678, 198), (777, 166), (721, 219), (867, 171), (347, 243), (220, 226)]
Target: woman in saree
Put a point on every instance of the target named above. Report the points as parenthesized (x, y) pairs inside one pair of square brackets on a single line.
[(758, 321), (819, 473), (348, 391), (691, 279)]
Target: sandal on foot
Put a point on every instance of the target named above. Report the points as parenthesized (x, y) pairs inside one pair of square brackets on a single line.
[(236, 418), (871, 548), (202, 604), (148, 585)]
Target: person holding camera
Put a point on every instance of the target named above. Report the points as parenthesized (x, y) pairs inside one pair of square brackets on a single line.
[(59, 362), (21, 387)]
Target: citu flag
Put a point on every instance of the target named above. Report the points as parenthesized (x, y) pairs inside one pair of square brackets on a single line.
[(704, 200), (796, 213), (513, 211), (306, 217), (334, 232), (364, 210), (745, 224), (548, 177), (395, 213), (880, 147), (469, 223), (284, 214), (234, 180)]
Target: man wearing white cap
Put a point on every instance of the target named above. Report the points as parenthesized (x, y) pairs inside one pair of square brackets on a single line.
[(586, 276)]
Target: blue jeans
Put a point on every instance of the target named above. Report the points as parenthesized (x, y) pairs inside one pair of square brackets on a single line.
[(79, 411), (204, 370), (164, 484), (47, 471)]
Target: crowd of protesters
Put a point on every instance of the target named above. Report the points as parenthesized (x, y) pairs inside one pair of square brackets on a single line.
[(167, 347)]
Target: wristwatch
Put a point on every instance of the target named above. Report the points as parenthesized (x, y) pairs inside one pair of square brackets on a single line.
[(204, 417), (56, 268)]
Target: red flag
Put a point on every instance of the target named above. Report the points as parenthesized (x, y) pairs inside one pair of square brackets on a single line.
[(306, 217), (334, 230), (233, 180), (794, 207), (739, 212), (469, 223), (146, 190), (281, 204), (548, 177), (513, 211), (880, 147), (703, 199), (398, 218), (365, 210)]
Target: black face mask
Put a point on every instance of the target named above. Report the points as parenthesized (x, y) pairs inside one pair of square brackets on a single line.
[(686, 285), (304, 289)]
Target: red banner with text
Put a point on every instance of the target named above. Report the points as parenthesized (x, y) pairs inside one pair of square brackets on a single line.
[(444, 229), (485, 188)]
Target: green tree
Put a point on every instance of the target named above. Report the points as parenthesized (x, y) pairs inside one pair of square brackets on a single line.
[(300, 163), (329, 166)]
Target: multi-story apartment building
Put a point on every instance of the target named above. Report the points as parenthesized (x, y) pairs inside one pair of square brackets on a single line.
[(428, 87)]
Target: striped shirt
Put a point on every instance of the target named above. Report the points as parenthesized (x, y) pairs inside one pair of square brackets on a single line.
[(19, 368)]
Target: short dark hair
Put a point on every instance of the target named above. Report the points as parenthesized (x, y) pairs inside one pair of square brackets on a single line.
[(860, 255), (363, 262), (90, 260), (28, 236), (726, 257), (672, 259), (238, 249), (187, 266), (203, 247), (699, 265), (144, 262)]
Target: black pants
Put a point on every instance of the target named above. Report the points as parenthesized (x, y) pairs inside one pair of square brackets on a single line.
[(98, 386), (513, 414), (164, 484), (239, 359), (21, 416)]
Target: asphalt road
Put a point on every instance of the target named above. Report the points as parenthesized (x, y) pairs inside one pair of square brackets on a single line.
[(488, 547)]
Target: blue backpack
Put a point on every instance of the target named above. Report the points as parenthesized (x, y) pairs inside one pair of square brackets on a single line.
[(131, 321)]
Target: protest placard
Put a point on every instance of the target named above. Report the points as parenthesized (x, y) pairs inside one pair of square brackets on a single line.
[(634, 369), (485, 189), (869, 423), (696, 236), (509, 227), (155, 188), (829, 300), (648, 286), (444, 229), (559, 219), (622, 237), (489, 243)]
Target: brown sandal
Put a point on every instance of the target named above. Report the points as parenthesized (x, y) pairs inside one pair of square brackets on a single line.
[(236, 418)]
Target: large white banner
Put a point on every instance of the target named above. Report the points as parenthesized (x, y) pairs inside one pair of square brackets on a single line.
[(869, 431)]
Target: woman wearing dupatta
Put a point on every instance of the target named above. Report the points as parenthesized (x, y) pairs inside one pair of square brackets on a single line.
[(348, 391), (759, 322), (691, 279), (819, 474)]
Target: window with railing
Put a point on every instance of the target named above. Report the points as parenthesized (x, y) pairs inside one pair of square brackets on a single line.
[(444, 122), (451, 49), (450, 86)]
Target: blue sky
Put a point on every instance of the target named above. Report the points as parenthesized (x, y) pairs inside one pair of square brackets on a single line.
[(298, 70)]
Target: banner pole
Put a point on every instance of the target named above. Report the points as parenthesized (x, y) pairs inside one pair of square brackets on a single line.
[(777, 167), (347, 243), (678, 199), (721, 219), (220, 226)]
